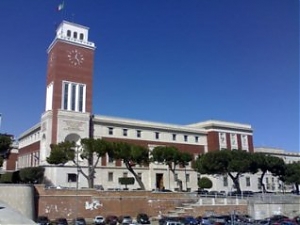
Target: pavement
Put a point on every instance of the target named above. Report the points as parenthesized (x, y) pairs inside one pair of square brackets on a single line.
[(10, 216)]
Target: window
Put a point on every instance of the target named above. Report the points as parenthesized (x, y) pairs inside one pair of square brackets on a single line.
[(196, 139), (75, 35), (66, 96), (225, 181), (73, 97), (138, 133), (110, 176), (68, 33), (125, 174), (185, 138), (125, 131), (81, 36), (258, 184), (248, 184), (80, 100), (187, 177), (174, 137), (110, 131), (72, 177), (156, 135)]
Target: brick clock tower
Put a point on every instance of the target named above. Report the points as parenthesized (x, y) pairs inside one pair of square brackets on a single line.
[(69, 87)]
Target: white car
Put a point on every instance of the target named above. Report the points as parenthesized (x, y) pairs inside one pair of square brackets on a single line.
[(99, 220)]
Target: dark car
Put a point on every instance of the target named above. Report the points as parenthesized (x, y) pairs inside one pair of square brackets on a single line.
[(111, 220), (79, 221), (43, 220), (142, 218), (61, 221), (189, 220)]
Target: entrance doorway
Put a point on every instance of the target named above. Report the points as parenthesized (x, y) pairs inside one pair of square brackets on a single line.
[(160, 181)]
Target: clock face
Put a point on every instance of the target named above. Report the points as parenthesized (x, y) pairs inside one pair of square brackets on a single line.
[(75, 57)]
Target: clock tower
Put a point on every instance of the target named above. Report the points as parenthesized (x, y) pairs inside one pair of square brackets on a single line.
[(69, 87)]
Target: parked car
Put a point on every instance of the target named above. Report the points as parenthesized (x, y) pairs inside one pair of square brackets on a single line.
[(61, 221), (125, 219), (43, 220), (111, 220), (99, 220), (79, 221), (143, 218), (189, 220)]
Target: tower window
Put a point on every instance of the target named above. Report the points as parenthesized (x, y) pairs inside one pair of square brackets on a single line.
[(68, 33), (81, 36), (73, 101), (66, 96), (73, 97), (75, 35)]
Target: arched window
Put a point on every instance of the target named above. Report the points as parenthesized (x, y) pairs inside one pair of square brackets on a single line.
[(68, 33), (81, 36), (75, 35)]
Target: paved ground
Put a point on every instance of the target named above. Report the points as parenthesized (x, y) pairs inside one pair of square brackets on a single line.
[(11, 216)]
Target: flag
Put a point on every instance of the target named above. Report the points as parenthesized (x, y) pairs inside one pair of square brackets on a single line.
[(60, 6)]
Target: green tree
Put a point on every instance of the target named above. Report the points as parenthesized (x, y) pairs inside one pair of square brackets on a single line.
[(32, 175), (92, 150), (5, 146), (292, 174), (131, 155), (205, 182), (171, 157), (230, 162), (267, 163)]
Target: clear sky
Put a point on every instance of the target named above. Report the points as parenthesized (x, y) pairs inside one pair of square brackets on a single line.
[(170, 61)]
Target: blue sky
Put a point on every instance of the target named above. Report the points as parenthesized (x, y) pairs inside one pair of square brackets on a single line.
[(170, 61)]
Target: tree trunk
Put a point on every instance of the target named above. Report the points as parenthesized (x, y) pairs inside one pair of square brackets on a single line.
[(261, 181), (137, 178), (236, 182)]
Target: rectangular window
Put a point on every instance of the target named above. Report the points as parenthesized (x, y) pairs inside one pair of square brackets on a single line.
[(196, 139), (156, 135), (174, 137), (187, 177), (248, 183), (73, 96), (138, 133), (125, 174), (72, 177), (110, 131), (73, 99), (125, 131), (66, 96), (225, 181), (110, 176), (80, 99), (185, 138)]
